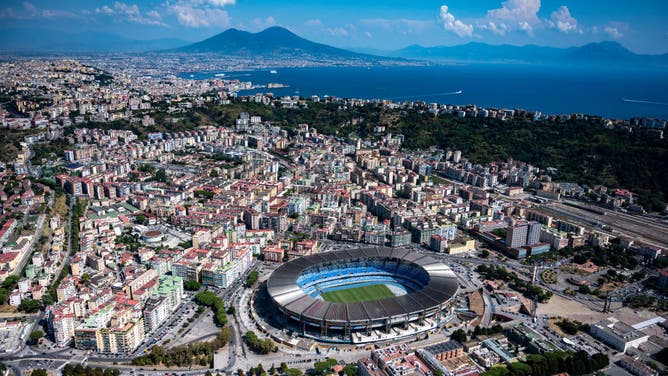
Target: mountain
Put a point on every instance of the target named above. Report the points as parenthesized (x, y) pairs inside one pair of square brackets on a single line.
[(593, 53), (274, 41), (53, 41), (601, 51)]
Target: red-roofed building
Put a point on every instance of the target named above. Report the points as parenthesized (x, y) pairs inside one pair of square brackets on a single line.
[(273, 254), (9, 260), (303, 248)]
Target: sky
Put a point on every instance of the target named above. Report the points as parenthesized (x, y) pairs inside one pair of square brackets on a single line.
[(640, 26)]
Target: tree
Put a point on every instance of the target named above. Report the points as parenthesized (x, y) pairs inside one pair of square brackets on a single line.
[(496, 371), (584, 289), (322, 367), (225, 334), (520, 369), (39, 372), (36, 336), (351, 369), (192, 285), (252, 278), (484, 253), (260, 346), (459, 335), (160, 175), (210, 299), (599, 361), (47, 300), (568, 327), (141, 219), (29, 306)]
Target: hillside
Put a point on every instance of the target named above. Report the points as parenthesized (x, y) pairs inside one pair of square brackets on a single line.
[(269, 42), (582, 152), (608, 52)]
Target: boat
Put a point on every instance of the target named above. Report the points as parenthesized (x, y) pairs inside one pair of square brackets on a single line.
[(273, 71), (220, 75)]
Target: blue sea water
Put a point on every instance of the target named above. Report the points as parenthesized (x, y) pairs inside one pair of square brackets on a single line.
[(619, 94)]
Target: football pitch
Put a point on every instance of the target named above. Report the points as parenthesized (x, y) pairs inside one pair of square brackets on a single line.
[(358, 294)]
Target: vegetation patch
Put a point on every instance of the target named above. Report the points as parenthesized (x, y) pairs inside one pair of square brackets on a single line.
[(258, 345), (198, 353), (549, 276)]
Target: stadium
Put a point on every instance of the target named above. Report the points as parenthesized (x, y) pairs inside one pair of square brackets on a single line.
[(363, 295)]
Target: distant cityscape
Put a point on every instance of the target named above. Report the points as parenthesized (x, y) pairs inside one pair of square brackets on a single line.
[(140, 236)]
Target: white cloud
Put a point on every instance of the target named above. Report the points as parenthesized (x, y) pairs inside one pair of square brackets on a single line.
[(405, 25), (104, 10), (52, 13), (499, 29), (450, 23), (200, 17), (123, 8), (221, 3), (613, 32), (314, 22), (131, 13), (513, 15), (525, 26), (264, 23), (30, 8), (337, 31), (562, 20), (153, 14)]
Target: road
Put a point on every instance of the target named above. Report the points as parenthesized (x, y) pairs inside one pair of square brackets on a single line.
[(488, 311)]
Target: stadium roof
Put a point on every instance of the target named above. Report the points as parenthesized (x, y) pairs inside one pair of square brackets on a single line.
[(284, 290)]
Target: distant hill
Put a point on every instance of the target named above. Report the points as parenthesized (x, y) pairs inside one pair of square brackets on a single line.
[(47, 40), (610, 52), (273, 41)]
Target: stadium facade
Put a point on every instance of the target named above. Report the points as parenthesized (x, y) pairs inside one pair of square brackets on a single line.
[(426, 289)]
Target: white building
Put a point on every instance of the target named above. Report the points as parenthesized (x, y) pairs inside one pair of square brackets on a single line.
[(61, 322), (15, 298), (618, 335), (156, 312)]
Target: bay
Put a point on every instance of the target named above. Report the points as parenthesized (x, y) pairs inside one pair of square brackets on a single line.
[(617, 94)]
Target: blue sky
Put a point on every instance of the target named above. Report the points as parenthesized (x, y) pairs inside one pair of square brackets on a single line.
[(382, 24)]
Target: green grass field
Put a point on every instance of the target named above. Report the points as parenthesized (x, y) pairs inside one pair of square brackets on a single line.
[(358, 294)]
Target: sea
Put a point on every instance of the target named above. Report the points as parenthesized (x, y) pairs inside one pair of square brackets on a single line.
[(611, 93)]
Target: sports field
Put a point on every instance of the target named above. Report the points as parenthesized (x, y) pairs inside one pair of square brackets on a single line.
[(358, 294)]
